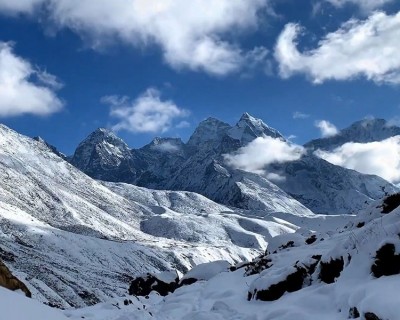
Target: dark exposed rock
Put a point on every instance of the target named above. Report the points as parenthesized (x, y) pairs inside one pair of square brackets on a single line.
[(390, 203), (311, 239), (387, 262), (371, 316), (292, 283), (7, 256), (311, 268), (239, 265), (330, 270), (353, 313), (257, 265), (89, 297), (187, 282), (127, 302), (7, 280), (289, 244), (143, 285)]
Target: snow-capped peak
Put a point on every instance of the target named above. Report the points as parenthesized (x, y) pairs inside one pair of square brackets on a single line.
[(364, 131), (248, 128), (101, 147), (208, 131)]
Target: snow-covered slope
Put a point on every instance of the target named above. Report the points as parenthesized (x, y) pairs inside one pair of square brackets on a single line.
[(199, 166), (77, 241), (367, 130), (353, 273)]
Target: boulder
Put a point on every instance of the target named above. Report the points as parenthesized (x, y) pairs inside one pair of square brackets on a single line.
[(331, 270), (387, 262), (7, 280), (162, 283), (390, 203), (293, 281)]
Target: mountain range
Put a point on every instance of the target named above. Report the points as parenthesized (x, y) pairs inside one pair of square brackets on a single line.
[(77, 229), (199, 166)]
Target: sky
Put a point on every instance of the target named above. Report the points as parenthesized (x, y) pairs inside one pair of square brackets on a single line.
[(147, 68)]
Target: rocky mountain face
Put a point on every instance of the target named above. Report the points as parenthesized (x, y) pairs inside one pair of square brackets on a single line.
[(367, 130), (199, 166), (327, 188)]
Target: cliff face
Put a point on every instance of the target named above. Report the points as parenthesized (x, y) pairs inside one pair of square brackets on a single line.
[(7, 280)]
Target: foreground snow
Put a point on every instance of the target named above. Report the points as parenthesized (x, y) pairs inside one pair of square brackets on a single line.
[(15, 306), (225, 296)]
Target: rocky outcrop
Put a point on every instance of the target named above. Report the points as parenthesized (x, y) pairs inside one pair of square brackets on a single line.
[(7, 280), (390, 203), (331, 270), (162, 283), (387, 262)]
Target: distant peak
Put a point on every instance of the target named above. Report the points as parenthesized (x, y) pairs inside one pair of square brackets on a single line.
[(246, 116), (213, 121), (248, 128), (101, 135), (102, 131), (39, 139)]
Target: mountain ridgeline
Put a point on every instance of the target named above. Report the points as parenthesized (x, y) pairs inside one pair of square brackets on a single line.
[(199, 166)]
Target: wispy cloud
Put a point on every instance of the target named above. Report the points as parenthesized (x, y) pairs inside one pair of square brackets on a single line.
[(300, 115), (364, 5)]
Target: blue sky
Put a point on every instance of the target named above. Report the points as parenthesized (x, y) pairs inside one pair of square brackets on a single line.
[(83, 69)]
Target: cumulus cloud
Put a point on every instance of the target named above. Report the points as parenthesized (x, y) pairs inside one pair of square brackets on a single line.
[(379, 158), (327, 129), (147, 113), (192, 34), (300, 115), (358, 48), (365, 5), (25, 89), (262, 152)]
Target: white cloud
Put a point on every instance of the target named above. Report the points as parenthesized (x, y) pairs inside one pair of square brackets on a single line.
[(300, 115), (380, 158), (183, 124), (147, 113), (359, 48), (20, 93), (19, 6), (166, 146), (365, 5), (262, 152), (192, 34), (327, 129)]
